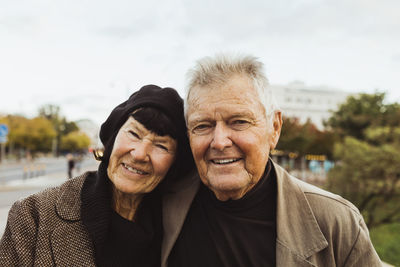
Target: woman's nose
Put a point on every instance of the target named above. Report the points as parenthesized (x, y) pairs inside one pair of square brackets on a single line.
[(141, 151)]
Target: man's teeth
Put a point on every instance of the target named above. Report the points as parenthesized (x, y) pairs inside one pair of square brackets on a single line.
[(224, 161), (133, 169)]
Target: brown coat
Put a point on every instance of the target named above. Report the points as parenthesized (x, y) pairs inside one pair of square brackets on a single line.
[(314, 227), (45, 229)]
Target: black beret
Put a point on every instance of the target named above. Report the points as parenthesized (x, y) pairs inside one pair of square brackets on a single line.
[(165, 99)]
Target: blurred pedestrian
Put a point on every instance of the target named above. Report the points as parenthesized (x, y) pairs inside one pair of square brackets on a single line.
[(78, 163), (71, 164)]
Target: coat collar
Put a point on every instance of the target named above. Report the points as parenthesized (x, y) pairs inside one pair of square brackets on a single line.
[(298, 233), (176, 205)]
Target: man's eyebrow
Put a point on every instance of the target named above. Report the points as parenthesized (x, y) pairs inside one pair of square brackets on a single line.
[(238, 114), (241, 114)]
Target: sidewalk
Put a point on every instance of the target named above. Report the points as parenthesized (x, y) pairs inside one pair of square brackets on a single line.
[(13, 190)]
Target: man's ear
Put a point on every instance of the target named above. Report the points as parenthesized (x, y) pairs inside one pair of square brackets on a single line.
[(276, 129)]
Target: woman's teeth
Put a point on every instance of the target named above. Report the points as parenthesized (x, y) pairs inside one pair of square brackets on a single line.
[(129, 168)]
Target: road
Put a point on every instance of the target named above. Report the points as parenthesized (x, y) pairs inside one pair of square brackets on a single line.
[(14, 186), (39, 167)]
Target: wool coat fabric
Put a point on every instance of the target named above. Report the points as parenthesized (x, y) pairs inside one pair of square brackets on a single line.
[(314, 227), (45, 229)]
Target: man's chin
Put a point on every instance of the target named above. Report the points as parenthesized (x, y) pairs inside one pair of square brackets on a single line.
[(225, 191)]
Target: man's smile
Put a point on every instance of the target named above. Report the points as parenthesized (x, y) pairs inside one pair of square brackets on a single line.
[(225, 161)]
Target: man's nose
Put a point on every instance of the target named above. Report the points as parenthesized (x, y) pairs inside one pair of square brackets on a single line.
[(141, 151), (221, 137)]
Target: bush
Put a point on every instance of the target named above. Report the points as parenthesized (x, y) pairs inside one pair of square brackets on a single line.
[(386, 240)]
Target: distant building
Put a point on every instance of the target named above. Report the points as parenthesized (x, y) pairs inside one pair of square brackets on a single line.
[(306, 102)]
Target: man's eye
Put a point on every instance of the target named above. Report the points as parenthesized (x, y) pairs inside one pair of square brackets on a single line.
[(240, 124), (201, 128)]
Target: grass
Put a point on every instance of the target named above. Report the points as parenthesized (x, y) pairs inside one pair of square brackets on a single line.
[(386, 240)]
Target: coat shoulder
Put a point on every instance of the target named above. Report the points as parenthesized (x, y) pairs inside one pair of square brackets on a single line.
[(342, 225), (316, 195), (339, 220), (44, 200)]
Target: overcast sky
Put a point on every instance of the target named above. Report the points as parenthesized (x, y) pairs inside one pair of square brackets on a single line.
[(87, 56)]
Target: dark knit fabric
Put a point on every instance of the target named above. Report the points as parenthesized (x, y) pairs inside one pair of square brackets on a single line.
[(134, 243), (230, 233), (96, 207), (116, 241)]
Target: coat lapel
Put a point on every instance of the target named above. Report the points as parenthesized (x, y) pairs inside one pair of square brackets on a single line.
[(298, 233), (176, 205), (286, 257)]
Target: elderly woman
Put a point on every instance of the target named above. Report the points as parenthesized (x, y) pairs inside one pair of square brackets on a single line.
[(112, 216)]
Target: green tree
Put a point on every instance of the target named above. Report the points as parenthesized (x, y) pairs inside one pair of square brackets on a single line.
[(368, 157), (75, 141), (361, 112), (368, 176)]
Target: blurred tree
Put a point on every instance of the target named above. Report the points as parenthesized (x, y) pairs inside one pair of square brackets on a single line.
[(60, 124), (368, 157), (75, 141), (369, 176), (17, 128), (50, 112), (39, 135), (34, 134), (305, 138), (361, 112)]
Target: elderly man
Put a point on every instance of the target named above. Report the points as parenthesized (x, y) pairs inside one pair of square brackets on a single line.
[(247, 210)]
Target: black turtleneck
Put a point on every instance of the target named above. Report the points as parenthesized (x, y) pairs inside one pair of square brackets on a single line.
[(230, 233)]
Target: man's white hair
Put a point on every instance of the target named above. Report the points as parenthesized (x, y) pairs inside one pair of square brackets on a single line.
[(220, 68)]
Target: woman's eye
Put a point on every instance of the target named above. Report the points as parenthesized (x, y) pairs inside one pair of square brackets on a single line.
[(133, 134), (162, 147)]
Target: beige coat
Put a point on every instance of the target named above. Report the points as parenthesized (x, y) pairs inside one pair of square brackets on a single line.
[(314, 227), (45, 229)]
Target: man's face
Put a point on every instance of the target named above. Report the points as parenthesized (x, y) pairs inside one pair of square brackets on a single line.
[(230, 136)]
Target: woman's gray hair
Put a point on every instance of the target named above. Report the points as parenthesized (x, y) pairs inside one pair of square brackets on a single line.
[(219, 69)]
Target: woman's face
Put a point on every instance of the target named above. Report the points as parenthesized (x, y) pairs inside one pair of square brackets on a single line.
[(140, 159)]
